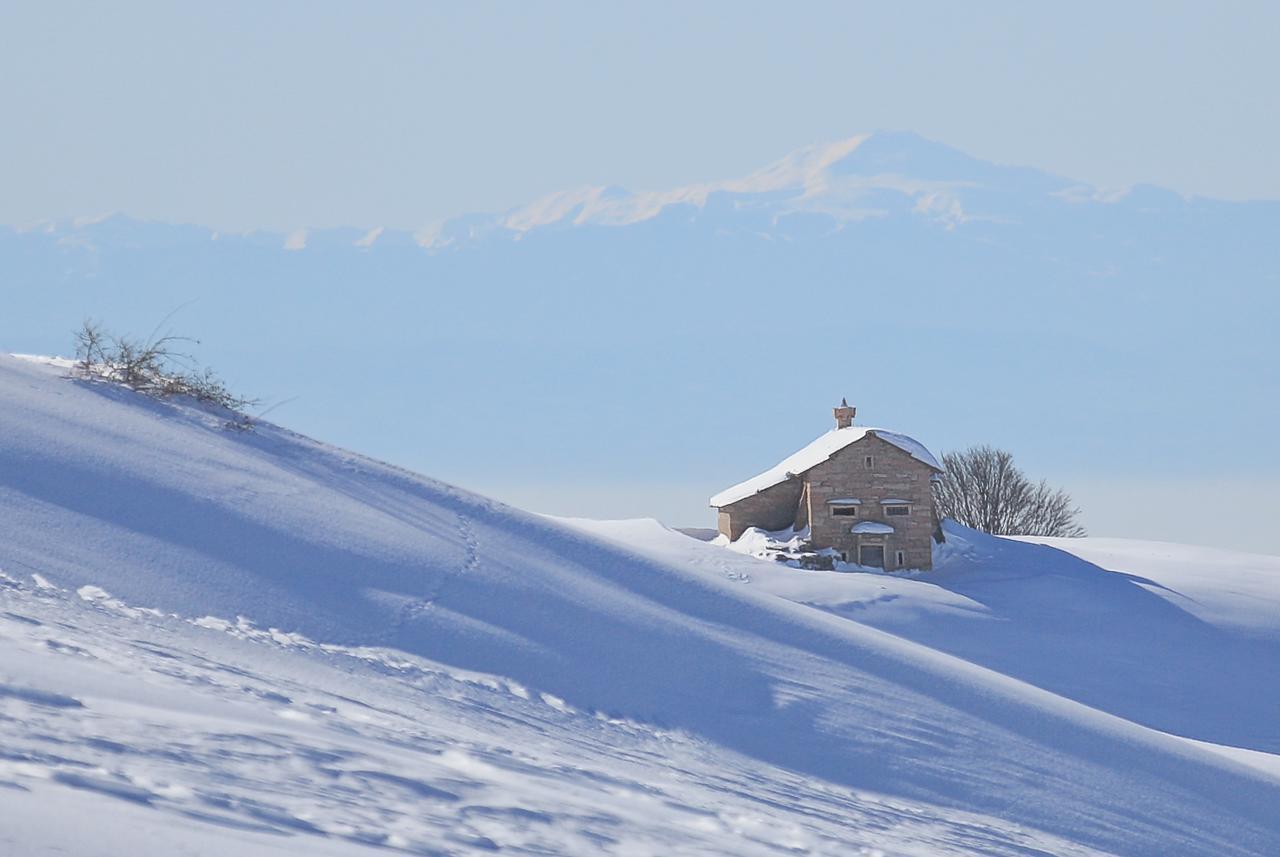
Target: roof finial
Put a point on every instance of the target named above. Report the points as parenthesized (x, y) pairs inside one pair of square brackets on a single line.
[(844, 414)]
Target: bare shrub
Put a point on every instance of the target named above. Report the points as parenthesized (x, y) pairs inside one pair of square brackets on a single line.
[(983, 489), (155, 367)]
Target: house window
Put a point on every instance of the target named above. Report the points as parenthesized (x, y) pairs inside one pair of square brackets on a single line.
[(844, 511), (868, 462), (897, 510), (901, 558)]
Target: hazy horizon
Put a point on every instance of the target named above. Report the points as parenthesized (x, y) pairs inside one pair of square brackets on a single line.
[(289, 115), (89, 219)]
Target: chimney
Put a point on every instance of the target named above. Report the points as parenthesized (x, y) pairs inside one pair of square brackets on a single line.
[(844, 414)]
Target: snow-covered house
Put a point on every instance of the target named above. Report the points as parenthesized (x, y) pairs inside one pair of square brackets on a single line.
[(866, 493)]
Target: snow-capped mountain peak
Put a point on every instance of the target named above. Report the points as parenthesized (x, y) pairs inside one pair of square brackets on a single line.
[(866, 175)]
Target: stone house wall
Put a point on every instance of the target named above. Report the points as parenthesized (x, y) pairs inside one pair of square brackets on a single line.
[(771, 509), (894, 475)]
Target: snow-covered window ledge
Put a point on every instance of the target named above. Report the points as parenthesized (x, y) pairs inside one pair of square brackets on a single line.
[(844, 507)]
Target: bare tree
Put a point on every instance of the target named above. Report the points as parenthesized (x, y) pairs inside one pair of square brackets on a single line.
[(153, 366), (983, 489), (91, 345)]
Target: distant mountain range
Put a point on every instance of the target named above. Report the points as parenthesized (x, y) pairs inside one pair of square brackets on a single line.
[(950, 297), (813, 191)]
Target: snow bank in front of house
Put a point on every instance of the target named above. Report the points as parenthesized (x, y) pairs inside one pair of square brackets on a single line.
[(766, 545), (791, 547), (817, 452)]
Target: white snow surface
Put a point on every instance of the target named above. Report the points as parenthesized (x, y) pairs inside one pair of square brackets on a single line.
[(218, 642), (817, 452)]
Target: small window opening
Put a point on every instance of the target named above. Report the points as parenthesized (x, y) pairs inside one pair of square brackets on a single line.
[(901, 558), (844, 511), (897, 510), (868, 462)]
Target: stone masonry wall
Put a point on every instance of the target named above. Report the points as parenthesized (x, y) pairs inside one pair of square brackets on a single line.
[(894, 475), (772, 509)]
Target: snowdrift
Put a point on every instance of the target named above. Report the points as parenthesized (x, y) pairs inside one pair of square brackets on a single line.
[(1183, 639), (159, 506)]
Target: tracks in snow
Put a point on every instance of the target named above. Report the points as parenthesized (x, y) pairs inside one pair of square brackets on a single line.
[(470, 562)]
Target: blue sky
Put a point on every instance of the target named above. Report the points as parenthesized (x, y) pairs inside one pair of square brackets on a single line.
[(282, 115), (287, 114)]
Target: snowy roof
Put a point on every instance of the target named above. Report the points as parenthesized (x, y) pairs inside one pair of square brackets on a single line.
[(844, 501), (871, 528), (817, 452)]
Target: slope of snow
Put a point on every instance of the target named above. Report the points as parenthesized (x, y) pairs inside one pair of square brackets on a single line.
[(1182, 639), (137, 733), (816, 452), (216, 641), (1223, 588)]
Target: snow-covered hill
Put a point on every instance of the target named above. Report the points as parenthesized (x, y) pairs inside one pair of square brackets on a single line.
[(1179, 638), (214, 641)]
